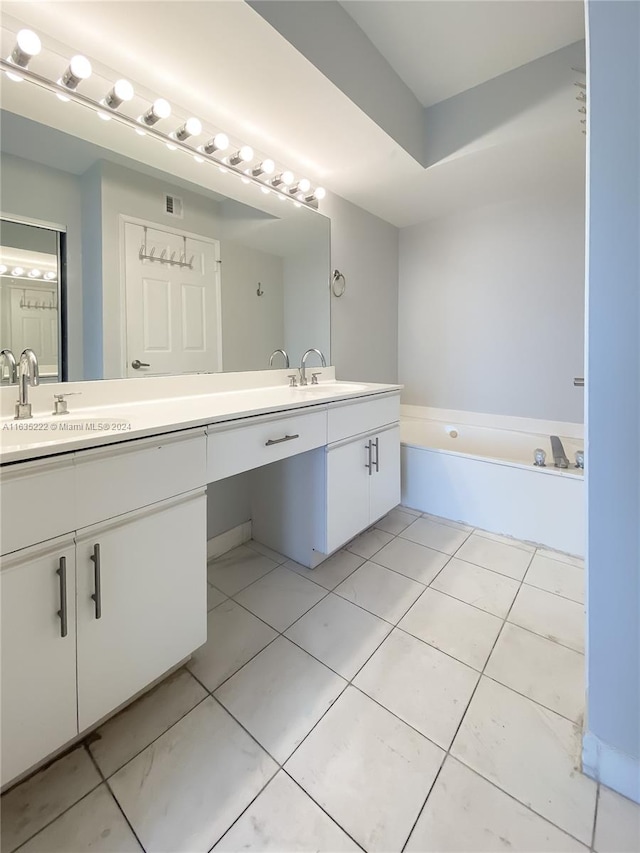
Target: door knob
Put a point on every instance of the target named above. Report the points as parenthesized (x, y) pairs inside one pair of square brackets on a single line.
[(137, 364)]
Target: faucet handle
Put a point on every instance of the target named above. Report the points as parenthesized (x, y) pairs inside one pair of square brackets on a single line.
[(60, 404), (293, 380), (314, 378)]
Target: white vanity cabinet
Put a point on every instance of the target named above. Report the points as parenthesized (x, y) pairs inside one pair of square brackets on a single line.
[(38, 659)]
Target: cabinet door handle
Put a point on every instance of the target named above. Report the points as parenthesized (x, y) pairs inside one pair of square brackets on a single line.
[(97, 595), (376, 444), (273, 441), (62, 613), (369, 463)]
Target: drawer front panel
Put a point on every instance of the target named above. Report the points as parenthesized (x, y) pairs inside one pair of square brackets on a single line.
[(116, 480), (347, 420), (242, 448)]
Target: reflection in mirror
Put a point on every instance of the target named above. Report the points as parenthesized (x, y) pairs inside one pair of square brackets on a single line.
[(30, 295), (165, 275)]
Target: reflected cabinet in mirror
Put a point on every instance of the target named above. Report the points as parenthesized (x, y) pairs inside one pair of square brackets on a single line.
[(164, 275)]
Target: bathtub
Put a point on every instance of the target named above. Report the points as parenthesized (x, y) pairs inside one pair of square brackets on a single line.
[(484, 476)]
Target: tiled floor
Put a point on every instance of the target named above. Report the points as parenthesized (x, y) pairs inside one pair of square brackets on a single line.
[(422, 690)]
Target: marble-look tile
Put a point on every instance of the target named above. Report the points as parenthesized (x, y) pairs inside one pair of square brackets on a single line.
[(280, 597), (237, 569), (266, 551), (234, 636), (214, 597), (369, 543), (95, 823), (332, 571), (455, 628), (283, 819), (549, 615), (508, 540), (130, 731), (449, 522), (339, 634), (477, 586), (617, 824), (529, 752), (433, 534), (561, 557), (557, 577), (415, 561), (551, 674), (394, 522), (380, 591), (465, 813), (424, 687), (34, 803), (368, 770), (187, 788), (506, 559), (280, 695)]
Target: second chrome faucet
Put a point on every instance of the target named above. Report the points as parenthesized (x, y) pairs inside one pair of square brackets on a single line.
[(303, 364)]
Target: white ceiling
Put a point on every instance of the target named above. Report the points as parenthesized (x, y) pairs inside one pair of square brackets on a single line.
[(224, 63), (443, 47)]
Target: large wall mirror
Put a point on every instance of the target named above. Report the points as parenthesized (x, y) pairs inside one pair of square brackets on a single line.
[(169, 267)]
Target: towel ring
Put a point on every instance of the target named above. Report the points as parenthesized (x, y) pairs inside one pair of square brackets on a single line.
[(336, 288)]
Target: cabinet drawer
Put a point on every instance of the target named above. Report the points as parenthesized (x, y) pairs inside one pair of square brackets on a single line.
[(114, 480), (345, 420), (240, 448), (38, 502)]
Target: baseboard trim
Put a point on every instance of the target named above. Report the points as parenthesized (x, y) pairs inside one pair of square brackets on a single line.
[(224, 542), (613, 768)]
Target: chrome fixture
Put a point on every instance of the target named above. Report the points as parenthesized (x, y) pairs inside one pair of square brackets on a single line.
[(267, 167), (28, 374), (580, 459), (283, 353), (121, 92), (220, 142), (283, 179), (303, 364), (314, 378), (338, 283), (79, 69), (159, 109), (242, 155), (9, 357), (578, 381), (539, 457), (172, 261), (27, 46), (293, 380), (191, 127), (559, 456), (60, 404)]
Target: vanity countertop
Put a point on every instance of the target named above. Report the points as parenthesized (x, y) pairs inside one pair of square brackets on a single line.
[(115, 421)]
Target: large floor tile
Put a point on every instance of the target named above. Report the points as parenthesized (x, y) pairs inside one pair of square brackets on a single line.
[(540, 669), (340, 634), (30, 806), (477, 586), (424, 687), (395, 521), (130, 731), (549, 615), (237, 569), (508, 540), (332, 571), (214, 597), (266, 551), (369, 543), (461, 631), (283, 819), (234, 636), (557, 577), (440, 537), (280, 695), (380, 591), (186, 789), (531, 753), (95, 823), (467, 814), (508, 560), (368, 770), (617, 824), (280, 597), (415, 561)]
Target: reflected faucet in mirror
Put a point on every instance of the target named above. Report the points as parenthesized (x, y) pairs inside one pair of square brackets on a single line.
[(283, 353), (6, 356), (28, 374), (303, 364)]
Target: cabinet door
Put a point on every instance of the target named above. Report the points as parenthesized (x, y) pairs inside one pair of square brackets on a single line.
[(38, 663), (142, 600), (385, 480), (347, 492)]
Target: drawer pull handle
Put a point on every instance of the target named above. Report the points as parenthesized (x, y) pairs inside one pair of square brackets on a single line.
[(62, 613), (97, 595), (376, 444), (368, 464), (273, 441)]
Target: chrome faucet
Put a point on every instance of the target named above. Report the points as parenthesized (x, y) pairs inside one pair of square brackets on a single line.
[(9, 357), (303, 364), (559, 456), (28, 374), (283, 353)]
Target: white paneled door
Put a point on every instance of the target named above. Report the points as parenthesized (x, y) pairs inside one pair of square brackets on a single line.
[(173, 312)]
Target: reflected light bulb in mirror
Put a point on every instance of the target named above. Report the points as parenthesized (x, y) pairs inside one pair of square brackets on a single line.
[(17, 271), (3, 269), (159, 109), (121, 92), (34, 274), (49, 275), (79, 69)]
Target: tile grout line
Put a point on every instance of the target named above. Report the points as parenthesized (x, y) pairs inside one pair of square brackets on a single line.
[(592, 846)]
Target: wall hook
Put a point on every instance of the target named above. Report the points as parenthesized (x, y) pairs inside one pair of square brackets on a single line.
[(259, 291)]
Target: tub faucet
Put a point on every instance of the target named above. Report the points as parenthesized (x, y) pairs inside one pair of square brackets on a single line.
[(303, 364), (281, 352), (28, 374), (9, 357), (559, 456)]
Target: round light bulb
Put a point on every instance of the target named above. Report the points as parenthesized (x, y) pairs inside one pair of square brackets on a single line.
[(80, 67), (17, 271), (320, 193), (35, 274), (221, 141), (29, 43), (268, 167), (123, 90), (304, 185), (193, 126), (287, 178), (246, 153), (161, 108)]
